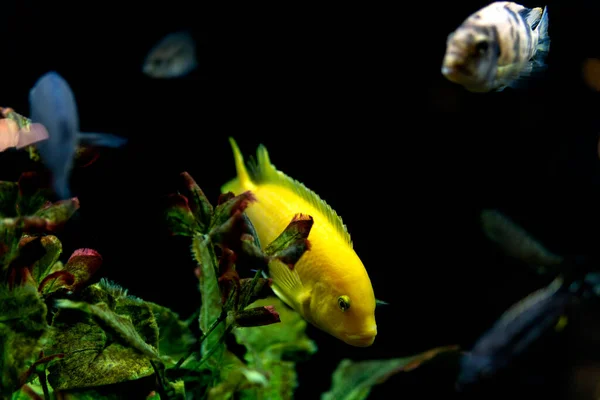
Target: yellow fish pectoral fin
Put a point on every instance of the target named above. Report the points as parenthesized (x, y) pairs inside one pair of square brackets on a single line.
[(380, 303), (287, 284)]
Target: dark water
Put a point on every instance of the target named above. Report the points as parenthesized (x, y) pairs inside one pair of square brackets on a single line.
[(349, 100)]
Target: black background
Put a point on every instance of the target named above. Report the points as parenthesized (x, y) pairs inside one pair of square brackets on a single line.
[(348, 99)]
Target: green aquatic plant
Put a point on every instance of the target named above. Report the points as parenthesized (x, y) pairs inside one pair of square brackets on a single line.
[(272, 350), (355, 380), (60, 333), (232, 304), (66, 335)]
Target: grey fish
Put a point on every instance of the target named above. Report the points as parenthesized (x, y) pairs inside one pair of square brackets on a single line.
[(52, 104), (173, 56)]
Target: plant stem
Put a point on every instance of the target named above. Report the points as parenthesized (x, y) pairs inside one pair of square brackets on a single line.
[(44, 383), (214, 348), (246, 299), (161, 383), (211, 328)]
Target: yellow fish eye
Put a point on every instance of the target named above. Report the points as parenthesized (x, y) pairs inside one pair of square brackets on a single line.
[(344, 302)]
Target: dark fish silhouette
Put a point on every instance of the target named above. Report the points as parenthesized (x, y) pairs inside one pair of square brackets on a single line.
[(173, 56), (513, 333)]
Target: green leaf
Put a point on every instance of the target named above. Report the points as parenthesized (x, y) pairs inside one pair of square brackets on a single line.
[(56, 281), (153, 396), (29, 391), (197, 201), (22, 122), (253, 316), (33, 194), (40, 366), (175, 337), (235, 375), (176, 390), (53, 249), (10, 234), (22, 328), (8, 198), (179, 217), (282, 383), (354, 380), (229, 208), (271, 349), (252, 289), (212, 309), (194, 374), (229, 221), (110, 341), (276, 341), (78, 270), (119, 326), (57, 214), (292, 241), (83, 264)]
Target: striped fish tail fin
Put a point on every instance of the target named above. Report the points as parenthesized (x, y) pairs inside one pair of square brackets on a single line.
[(544, 39)]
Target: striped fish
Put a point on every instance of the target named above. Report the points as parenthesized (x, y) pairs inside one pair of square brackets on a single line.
[(497, 47)]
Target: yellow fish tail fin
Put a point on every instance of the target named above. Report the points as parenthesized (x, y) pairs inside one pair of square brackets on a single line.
[(242, 181)]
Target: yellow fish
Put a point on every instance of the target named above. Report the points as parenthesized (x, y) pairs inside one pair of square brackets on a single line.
[(329, 285)]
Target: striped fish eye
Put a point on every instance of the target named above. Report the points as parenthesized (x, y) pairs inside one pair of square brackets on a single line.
[(481, 46), (343, 302)]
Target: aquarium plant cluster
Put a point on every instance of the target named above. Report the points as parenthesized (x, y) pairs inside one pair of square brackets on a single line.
[(65, 334)]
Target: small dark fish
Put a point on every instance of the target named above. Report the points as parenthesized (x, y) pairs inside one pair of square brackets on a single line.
[(513, 333), (172, 57), (516, 242), (53, 105)]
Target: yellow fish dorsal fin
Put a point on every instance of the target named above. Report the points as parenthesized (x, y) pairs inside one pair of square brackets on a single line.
[(263, 171)]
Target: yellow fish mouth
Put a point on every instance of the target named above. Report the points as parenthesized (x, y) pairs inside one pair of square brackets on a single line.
[(362, 340)]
